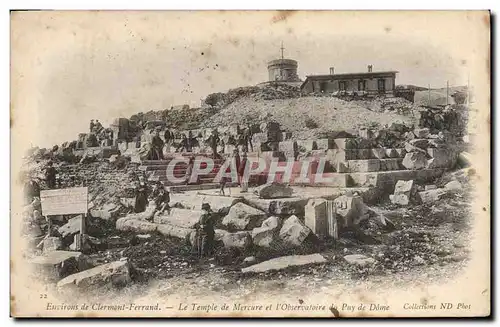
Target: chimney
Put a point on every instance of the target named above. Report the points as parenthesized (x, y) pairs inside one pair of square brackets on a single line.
[(332, 70), (370, 68)]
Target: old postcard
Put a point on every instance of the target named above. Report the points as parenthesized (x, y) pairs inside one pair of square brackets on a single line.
[(250, 164)]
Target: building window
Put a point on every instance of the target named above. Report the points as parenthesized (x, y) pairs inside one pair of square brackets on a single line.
[(381, 85), (362, 85), (343, 85)]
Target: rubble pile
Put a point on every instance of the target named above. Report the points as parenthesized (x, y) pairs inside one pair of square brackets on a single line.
[(267, 91)]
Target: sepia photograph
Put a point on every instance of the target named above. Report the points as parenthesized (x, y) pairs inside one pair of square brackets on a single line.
[(323, 164)]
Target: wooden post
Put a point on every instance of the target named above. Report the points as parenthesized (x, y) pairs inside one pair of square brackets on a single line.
[(447, 91), (429, 95), (83, 230), (331, 213)]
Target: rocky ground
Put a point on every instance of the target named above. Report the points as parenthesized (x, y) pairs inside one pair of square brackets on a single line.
[(430, 243), (307, 113)]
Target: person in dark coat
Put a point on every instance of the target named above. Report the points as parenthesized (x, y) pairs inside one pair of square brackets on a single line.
[(189, 170), (141, 196), (214, 142), (205, 233), (162, 199), (241, 174), (183, 144), (237, 163), (157, 147), (91, 127), (50, 176), (31, 190)]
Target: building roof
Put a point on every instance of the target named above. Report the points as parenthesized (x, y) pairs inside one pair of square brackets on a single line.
[(348, 75)]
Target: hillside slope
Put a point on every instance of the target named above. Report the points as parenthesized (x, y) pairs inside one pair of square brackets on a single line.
[(303, 114)]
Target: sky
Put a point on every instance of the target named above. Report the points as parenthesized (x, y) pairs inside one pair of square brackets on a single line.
[(70, 67)]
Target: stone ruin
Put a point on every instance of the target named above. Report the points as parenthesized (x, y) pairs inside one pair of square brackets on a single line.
[(359, 169)]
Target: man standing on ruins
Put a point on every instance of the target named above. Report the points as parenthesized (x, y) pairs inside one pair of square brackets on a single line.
[(237, 163), (169, 137), (97, 126), (91, 126), (183, 144), (205, 233), (157, 146), (50, 175), (248, 138), (241, 174), (214, 142)]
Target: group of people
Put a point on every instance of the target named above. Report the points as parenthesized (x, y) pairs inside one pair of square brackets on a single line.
[(215, 141), (204, 239), (99, 136), (95, 127), (156, 192)]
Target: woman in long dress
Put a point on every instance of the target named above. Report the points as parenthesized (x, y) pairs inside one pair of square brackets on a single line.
[(141, 196)]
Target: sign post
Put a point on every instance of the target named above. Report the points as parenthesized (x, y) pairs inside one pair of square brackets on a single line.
[(64, 202)]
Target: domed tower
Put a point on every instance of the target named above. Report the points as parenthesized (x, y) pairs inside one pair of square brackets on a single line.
[(283, 70)]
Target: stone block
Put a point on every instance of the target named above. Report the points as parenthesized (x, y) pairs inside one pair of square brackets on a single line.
[(242, 216), (264, 235), (135, 225), (324, 144), (285, 206), (174, 231), (405, 187), (59, 264), (116, 273), (328, 179), (453, 186), (390, 164), (316, 216), (421, 133), (362, 154), (52, 244), (367, 165), (342, 167), (401, 152), (345, 143), (108, 211), (241, 240), (431, 195), (307, 145), (289, 148), (285, 262), (441, 158), (464, 159), (415, 160), (294, 232), (391, 153), (274, 191), (71, 228), (359, 260), (420, 143), (185, 218), (132, 145), (350, 208), (400, 199), (378, 153)]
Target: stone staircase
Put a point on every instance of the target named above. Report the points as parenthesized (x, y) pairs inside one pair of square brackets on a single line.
[(349, 164)]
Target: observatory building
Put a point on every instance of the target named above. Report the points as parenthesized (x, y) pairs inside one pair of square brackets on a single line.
[(283, 70)]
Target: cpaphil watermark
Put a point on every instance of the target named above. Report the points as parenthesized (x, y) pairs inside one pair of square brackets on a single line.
[(307, 171)]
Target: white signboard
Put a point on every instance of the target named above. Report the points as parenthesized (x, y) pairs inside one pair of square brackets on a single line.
[(64, 201)]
